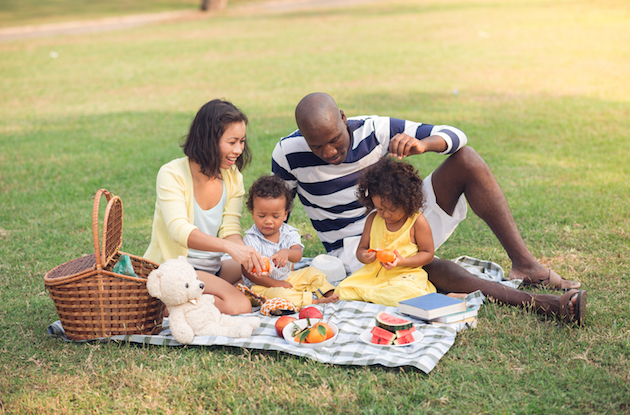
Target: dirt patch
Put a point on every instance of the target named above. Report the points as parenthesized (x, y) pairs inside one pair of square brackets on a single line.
[(125, 22), (97, 25)]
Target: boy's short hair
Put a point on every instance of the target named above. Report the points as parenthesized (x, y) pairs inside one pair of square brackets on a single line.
[(271, 187)]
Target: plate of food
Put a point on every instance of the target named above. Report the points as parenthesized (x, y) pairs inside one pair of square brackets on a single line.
[(319, 333), (378, 336)]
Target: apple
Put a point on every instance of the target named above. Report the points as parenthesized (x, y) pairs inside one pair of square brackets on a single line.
[(311, 312), (282, 322)]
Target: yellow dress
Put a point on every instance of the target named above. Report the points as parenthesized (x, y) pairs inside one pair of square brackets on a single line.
[(375, 284)]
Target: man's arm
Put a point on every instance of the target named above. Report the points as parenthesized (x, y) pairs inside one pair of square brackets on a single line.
[(441, 139)]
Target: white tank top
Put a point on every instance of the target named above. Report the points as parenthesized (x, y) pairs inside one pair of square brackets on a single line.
[(209, 221)]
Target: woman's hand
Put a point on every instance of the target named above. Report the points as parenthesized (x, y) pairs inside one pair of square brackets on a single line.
[(248, 257)]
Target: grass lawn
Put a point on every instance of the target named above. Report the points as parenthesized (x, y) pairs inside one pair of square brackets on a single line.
[(541, 88)]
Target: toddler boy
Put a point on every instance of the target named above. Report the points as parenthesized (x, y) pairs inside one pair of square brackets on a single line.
[(270, 202)]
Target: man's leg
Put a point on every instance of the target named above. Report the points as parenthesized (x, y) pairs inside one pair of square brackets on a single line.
[(449, 277), (466, 172)]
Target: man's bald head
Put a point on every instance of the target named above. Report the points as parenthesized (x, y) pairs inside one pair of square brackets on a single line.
[(316, 110), (324, 127)]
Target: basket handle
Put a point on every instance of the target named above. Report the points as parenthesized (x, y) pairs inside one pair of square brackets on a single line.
[(113, 213)]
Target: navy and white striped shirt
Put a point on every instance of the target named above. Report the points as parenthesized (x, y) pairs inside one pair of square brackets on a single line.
[(327, 191)]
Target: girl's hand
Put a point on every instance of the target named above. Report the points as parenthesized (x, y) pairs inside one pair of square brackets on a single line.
[(367, 257), (396, 262), (280, 258)]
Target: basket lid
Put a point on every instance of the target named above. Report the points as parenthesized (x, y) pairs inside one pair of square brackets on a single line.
[(112, 227)]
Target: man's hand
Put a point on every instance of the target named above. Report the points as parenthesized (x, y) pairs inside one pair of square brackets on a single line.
[(403, 145)]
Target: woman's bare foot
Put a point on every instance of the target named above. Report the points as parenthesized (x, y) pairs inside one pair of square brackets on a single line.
[(332, 298)]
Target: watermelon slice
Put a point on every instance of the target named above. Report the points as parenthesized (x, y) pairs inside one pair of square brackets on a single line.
[(403, 333), (380, 340), (381, 336), (392, 323), (406, 339), (382, 332)]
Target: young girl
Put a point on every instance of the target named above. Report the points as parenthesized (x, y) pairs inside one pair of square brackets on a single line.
[(394, 190), (199, 203)]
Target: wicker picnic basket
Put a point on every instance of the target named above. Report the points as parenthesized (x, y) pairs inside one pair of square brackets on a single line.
[(93, 301)]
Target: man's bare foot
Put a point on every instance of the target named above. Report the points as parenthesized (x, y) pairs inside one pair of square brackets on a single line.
[(332, 298), (543, 278), (570, 306)]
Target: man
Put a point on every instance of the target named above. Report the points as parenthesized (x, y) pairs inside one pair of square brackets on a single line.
[(323, 158)]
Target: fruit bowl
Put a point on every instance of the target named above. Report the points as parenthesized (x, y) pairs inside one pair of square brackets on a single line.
[(288, 331)]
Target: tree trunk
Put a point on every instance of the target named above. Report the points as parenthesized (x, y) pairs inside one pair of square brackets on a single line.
[(213, 5)]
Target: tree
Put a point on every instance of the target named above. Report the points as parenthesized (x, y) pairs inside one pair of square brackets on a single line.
[(213, 5)]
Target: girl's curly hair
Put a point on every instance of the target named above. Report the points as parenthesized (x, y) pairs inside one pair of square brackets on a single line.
[(396, 181), (272, 187)]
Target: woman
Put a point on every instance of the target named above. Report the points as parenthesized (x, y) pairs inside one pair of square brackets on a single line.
[(199, 204)]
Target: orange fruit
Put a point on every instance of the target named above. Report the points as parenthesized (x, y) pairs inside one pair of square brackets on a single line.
[(384, 255), (265, 267), (314, 335), (329, 330)]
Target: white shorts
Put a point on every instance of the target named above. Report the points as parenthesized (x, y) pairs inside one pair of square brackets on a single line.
[(212, 265), (442, 227)]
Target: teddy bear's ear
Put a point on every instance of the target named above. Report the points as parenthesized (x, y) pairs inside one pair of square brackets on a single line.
[(182, 258), (154, 283)]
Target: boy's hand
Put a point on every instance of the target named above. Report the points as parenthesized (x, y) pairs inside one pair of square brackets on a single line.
[(280, 259), (284, 284)]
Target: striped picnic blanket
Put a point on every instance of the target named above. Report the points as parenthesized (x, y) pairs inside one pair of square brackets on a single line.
[(352, 318)]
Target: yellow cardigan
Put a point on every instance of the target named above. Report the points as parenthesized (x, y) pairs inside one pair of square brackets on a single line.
[(173, 220)]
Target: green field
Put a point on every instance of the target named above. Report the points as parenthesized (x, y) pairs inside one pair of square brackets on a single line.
[(541, 87)]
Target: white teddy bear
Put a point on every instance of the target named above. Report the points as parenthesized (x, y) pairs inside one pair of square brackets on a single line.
[(192, 313)]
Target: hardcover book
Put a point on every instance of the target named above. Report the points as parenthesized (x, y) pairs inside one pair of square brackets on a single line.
[(456, 317), (471, 321), (431, 306)]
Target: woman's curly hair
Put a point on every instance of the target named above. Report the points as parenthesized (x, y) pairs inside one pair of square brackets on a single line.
[(395, 181), (271, 187)]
